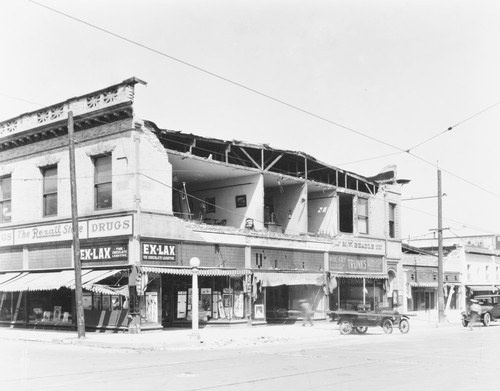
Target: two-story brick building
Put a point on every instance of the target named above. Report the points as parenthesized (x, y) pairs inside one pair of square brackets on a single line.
[(270, 226)]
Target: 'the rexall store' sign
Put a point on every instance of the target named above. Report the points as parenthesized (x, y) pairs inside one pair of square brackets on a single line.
[(97, 228)]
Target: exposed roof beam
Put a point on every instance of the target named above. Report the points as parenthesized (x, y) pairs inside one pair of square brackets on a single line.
[(274, 162), (251, 159)]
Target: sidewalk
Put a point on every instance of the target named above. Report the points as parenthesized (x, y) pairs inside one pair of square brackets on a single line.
[(209, 338)]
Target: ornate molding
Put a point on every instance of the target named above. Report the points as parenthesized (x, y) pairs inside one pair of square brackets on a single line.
[(100, 149), (48, 160)]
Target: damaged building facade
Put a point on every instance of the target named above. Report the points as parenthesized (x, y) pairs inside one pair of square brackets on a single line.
[(270, 226)]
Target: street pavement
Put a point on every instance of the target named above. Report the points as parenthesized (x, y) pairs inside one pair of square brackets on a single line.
[(207, 338)]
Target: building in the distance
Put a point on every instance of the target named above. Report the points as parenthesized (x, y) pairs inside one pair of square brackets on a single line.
[(473, 261), (269, 226)]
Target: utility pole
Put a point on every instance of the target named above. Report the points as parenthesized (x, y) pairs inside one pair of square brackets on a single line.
[(80, 320), (440, 251)]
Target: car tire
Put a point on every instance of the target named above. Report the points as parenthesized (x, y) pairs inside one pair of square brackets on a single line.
[(404, 326), (387, 326), (465, 323), (345, 327), (361, 329), (486, 319)]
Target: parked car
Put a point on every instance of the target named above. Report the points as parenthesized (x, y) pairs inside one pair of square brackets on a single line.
[(360, 320), (490, 309)]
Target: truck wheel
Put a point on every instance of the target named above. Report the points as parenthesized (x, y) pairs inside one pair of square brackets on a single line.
[(404, 326), (361, 329), (387, 326), (345, 327), (487, 319), (465, 323)]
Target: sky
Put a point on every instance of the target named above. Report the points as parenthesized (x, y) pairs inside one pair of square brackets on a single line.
[(353, 83)]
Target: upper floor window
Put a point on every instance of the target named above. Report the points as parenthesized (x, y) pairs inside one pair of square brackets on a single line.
[(487, 273), (345, 213), (362, 215), (49, 191), (392, 220), (5, 199), (469, 272), (102, 182)]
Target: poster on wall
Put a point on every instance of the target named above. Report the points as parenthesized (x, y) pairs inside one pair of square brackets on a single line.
[(96, 303), (152, 307), (106, 303), (216, 300), (238, 304), (87, 300), (206, 300), (222, 313), (259, 311), (181, 304), (227, 302)]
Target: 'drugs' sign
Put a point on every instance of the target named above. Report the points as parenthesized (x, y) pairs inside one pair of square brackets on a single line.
[(159, 252)]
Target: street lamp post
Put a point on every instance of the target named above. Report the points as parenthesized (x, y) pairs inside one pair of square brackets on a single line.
[(195, 263)]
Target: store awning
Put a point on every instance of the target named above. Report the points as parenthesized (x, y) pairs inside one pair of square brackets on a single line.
[(283, 278), (488, 288), (110, 290), (373, 276), (204, 272), (45, 281), (430, 284)]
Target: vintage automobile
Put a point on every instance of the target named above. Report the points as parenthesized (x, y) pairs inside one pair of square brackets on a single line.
[(360, 320), (490, 309)]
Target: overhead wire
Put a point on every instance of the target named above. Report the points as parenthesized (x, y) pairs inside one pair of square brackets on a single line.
[(400, 150), (213, 74)]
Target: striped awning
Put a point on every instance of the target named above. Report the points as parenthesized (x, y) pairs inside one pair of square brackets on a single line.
[(286, 278), (204, 272), (110, 290), (485, 288), (429, 284), (373, 276), (50, 280)]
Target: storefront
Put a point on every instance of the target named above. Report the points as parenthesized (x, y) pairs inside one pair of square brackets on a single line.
[(277, 294), (168, 298), (422, 289), (361, 281), (45, 299), (38, 282)]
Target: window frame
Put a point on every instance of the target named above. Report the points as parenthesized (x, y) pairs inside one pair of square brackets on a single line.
[(392, 220), (363, 217), (46, 194), (345, 213), (99, 184), (6, 200)]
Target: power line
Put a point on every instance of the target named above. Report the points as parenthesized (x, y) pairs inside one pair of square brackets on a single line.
[(219, 76), (276, 99)]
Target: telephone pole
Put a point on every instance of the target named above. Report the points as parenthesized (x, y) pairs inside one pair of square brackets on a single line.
[(440, 251), (80, 320)]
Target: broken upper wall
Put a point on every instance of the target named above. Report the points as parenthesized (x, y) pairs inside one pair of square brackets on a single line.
[(261, 158)]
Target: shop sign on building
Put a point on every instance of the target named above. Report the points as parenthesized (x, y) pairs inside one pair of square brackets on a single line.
[(104, 253), (356, 264), (359, 246), (159, 252), (113, 226), (97, 228), (48, 233)]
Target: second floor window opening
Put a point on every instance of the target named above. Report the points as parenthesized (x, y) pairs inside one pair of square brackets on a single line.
[(346, 213), (5, 199), (102, 182), (362, 215), (49, 191), (392, 220)]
